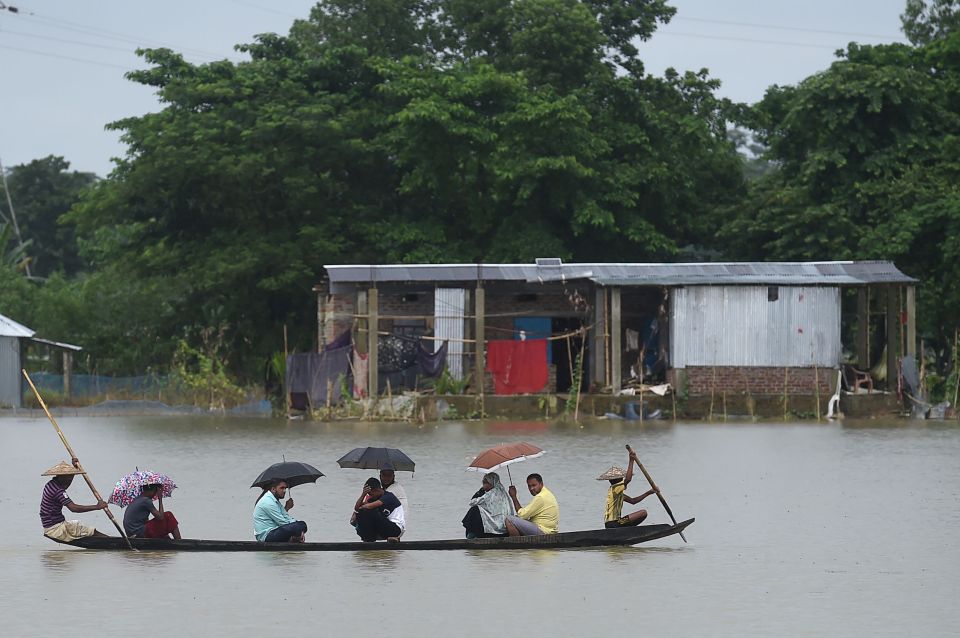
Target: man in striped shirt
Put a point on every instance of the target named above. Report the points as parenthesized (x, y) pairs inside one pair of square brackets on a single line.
[(55, 498)]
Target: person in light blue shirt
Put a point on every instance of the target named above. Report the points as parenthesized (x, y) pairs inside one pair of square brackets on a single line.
[(271, 522)]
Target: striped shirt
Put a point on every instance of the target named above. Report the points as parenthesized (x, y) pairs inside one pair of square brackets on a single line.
[(52, 502)]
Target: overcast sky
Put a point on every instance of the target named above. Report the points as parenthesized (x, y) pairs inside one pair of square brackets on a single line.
[(63, 61)]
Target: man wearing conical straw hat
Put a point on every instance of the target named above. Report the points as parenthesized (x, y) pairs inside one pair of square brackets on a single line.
[(616, 495), (54, 499)]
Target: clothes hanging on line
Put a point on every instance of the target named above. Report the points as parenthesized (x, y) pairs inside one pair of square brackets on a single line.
[(518, 367)]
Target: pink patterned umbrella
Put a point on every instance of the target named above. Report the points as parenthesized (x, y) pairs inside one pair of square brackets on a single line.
[(131, 486)]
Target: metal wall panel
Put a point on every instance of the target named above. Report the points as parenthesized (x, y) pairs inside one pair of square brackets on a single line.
[(10, 372), (739, 326), (448, 311)]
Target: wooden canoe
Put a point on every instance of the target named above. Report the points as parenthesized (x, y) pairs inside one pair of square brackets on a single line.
[(590, 538)]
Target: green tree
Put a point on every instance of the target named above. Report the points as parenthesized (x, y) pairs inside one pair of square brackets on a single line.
[(867, 167), (42, 191), (419, 130)]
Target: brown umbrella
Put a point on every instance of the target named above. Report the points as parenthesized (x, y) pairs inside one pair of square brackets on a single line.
[(503, 456)]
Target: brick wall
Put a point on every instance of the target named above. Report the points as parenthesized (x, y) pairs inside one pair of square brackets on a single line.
[(337, 315), (734, 380)]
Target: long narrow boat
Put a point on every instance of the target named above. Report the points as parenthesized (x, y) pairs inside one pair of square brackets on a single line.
[(590, 538)]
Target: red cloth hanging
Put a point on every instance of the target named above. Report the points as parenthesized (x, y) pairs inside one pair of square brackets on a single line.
[(518, 367)]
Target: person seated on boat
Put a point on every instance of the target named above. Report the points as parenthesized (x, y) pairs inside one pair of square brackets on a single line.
[(271, 521), (540, 516), (137, 522), (489, 509), (54, 499), (389, 482), (616, 495), (379, 514)]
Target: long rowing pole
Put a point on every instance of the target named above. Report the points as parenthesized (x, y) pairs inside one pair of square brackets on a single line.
[(657, 490), (66, 444)]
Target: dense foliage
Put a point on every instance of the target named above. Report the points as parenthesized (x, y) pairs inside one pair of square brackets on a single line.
[(453, 130)]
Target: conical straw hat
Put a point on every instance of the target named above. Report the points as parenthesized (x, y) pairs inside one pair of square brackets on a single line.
[(615, 472), (61, 469)]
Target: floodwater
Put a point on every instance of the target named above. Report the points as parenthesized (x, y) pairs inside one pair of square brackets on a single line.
[(802, 529)]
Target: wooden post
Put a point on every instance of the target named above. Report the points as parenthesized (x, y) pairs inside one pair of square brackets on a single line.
[(597, 365), (912, 321), (816, 387), (863, 327), (362, 323), (893, 339), (321, 320), (607, 378), (786, 378), (67, 372), (373, 327), (283, 381), (615, 336), (480, 327)]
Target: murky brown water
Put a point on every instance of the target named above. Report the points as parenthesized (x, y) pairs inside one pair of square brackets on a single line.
[(802, 529)]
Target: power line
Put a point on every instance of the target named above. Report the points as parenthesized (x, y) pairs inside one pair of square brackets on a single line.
[(65, 57), (64, 41), (138, 41), (267, 9), (755, 25), (749, 40)]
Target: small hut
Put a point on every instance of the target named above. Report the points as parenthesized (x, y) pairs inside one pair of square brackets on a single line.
[(12, 338)]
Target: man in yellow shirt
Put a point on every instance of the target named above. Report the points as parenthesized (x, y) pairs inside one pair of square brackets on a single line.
[(541, 516), (616, 495)]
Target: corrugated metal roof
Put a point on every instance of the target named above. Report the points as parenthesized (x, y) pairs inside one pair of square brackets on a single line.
[(843, 273), (10, 328)]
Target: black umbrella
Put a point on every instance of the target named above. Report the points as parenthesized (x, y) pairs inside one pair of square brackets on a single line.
[(293, 472), (375, 458)]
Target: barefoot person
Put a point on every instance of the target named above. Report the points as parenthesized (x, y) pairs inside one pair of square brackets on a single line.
[(541, 516), (137, 522), (54, 499), (271, 522), (379, 514), (616, 495)]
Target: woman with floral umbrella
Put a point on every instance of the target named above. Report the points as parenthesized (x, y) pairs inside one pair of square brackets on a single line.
[(136, 492)]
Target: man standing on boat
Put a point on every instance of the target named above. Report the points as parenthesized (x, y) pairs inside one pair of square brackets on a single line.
[(389, 482), (379, 514), (55, 498), (541, 516), (271, 522), (616, 495)]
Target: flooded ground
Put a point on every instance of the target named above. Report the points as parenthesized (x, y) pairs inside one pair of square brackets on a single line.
[(802, 529)]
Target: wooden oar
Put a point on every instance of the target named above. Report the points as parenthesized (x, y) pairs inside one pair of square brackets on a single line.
[(66, 444), (656, 490)]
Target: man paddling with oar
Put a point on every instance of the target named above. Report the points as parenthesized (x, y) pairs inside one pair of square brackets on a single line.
[(54, 499), (616, 495)]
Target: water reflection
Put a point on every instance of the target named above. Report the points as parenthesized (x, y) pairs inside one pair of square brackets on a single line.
[(375, 562)]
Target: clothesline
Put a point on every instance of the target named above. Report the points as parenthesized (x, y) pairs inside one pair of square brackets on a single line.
[(565, 335), (528, 313)]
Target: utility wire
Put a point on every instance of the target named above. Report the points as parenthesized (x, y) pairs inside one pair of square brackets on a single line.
[(65, 57), (267, 9), (64, 41), (750, 40), (138, 41), (755, 25)]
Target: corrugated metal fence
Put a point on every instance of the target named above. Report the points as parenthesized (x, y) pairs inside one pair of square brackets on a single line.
[(448, 313), (746, 326)]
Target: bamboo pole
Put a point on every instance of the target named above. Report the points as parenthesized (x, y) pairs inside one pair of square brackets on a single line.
[(713, 388), (283, 382), (583, 345), (73, 456), (673, 398), (816, 387), (956, 368), (786, 378)]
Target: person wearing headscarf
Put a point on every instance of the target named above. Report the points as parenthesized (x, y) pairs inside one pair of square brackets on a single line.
[(489, 509)]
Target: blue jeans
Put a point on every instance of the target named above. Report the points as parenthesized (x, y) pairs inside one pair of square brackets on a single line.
[(283, 533)]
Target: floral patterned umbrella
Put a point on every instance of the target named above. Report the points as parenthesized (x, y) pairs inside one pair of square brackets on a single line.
[(131, 485)]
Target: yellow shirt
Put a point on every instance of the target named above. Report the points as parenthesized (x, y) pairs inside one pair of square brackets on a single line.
[(542, 511), (615, 501)]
